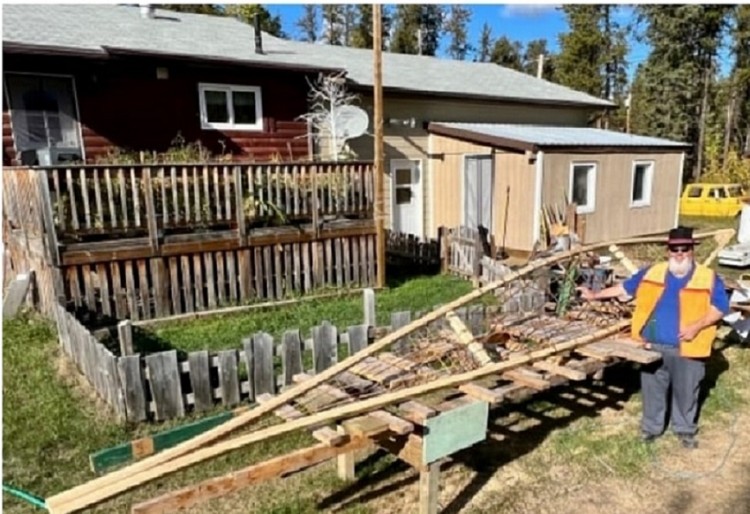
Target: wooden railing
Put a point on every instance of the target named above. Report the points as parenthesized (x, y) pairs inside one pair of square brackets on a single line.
[(91, 200)]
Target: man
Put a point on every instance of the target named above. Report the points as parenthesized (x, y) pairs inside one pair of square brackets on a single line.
[(677, 306)]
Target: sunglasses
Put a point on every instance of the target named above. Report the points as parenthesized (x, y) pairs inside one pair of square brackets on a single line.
[(680, 249)]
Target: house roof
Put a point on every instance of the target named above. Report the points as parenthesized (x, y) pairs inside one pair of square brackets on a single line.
[(537, 137), (102, 30)]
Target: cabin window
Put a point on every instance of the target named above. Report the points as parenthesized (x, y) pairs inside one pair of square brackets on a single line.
[(583, 186), (642, 183), (227, 107)]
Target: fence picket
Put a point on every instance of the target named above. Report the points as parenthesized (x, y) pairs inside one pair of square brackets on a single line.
[(325, 346), (200, 380), (291, 355), (164, 382), (262, 360), (228, 379), (133, 387)]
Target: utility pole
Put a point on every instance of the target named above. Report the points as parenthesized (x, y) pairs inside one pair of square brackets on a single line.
[(702, 125), (377, 45), (628, 105), (540, 66)]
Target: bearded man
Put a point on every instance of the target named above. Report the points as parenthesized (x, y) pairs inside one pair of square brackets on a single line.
[(677, 306)]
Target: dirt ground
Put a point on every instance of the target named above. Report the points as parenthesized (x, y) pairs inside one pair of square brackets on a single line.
[(516, 470)]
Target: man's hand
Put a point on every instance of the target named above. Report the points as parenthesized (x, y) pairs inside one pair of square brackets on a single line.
[(586, 293), (689, 332)]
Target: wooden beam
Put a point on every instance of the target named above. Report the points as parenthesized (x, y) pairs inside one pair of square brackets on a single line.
[(377, 93), (549, 367), (215, 487), (466, 338)]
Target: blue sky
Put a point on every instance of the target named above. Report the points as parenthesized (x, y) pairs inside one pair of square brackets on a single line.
[(521, 22)]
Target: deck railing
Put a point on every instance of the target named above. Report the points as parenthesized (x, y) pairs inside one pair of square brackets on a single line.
[(113, 199)]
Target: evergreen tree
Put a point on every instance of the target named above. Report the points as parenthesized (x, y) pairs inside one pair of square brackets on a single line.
[(212, 9), (333, 24), (308, 23), (455, 24), (739, 134), (247, 13), (534, 49), (412, 19), (361, 36), (484, 48), (507, 53)]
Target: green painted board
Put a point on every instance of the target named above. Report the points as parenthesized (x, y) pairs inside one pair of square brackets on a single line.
[(122, 453), (454, 430)]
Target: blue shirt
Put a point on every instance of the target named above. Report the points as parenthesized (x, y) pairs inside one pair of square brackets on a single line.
[(663, 327)]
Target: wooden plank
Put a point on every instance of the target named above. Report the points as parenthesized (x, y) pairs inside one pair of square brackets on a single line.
[(416, 412), (208, 213), (164, 382), (429, 479), (72, 198), (239, 206), (186, 193), (357, 338), (571, 374), (288, 288), (200, 380), (106, 297), (330, 437), (228, 378), (258, 262), (143, 288), (130, 291), (268, 271), (161, 284), (125, 337), (216, 487), (123, 197), (175, 194), (58, 199), (198, 284), (148, 192), (231, 272), (50, 229), (355, 262), (365, 426), (465, 337), (221, 279), (187, 284), (395, 424), (291, 355), (245, 276), (249, 359), (133, 387), (121, 310), (627, 350), (528, 378), (297, 267), (262, 356), (338, 262), (371, 260), (174, 286), (318, 264), (217, 193), (363, 257), (210, 279), (480, 393), (164, 198), (136, 199), (325, 346)]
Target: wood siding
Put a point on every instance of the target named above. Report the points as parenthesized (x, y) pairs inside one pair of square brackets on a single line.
[(123, 105), (511, 171), (613, 217)]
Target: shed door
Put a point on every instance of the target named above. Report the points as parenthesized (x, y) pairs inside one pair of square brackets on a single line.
[(477, 192), (406, 197)]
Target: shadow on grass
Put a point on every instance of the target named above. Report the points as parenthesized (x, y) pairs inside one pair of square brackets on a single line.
[(398, 274), (145, 342), (487, 456)]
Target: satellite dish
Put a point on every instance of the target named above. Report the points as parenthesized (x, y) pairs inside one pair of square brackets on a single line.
[(350, 121)]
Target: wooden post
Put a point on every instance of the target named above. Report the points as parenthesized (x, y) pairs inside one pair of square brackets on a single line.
[(428, 488), (153, 234), (125, 335), (345, 461), (377, 44), (368, 301), (49, 224), (540, 66), (240, 201)]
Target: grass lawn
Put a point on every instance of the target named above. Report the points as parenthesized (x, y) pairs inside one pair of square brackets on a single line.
[(226, 331)]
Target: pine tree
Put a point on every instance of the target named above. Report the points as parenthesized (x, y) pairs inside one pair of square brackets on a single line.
[(247, 13), (333, 24), (484, 48), (455, 24), (507, 53), (361, 36), (739, 135), (308, 23), (411, 20)]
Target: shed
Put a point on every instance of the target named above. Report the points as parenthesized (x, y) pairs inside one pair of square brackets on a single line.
[(500, 175)]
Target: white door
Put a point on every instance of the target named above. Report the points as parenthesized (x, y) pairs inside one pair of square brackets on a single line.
[(406, 197), (477, 192)]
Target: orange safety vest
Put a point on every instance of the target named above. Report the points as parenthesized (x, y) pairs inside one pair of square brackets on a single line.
[(695, 301)]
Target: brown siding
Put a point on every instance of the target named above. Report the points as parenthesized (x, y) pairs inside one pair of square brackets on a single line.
[(122, 104), (613, 217), (511, 171)]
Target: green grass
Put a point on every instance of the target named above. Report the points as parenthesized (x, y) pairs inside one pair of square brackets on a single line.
[(221, 332)]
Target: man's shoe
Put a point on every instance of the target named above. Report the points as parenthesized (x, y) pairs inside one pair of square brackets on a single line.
[(648, 438), (688, 441)]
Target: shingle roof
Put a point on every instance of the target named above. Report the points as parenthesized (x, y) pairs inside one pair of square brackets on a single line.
[(98, 28), (538, 136)]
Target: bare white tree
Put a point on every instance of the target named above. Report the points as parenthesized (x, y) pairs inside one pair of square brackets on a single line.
[(327, 96)]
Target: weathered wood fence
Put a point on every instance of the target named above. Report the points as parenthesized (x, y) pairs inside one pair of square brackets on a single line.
[(407, 247), (169, 384)]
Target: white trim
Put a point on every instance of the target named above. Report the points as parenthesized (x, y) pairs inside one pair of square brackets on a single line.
[(648, 183), (228, 89), (75, 104), (430, 228), (394, 163), (680, 176), (591, 207), (538, 187)]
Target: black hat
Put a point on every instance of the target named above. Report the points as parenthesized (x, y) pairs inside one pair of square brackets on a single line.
[(681, 236)]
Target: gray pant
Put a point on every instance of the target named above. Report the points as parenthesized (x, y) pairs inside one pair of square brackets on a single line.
[(685, 376)]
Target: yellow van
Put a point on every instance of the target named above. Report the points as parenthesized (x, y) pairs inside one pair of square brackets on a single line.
[(712, 200)]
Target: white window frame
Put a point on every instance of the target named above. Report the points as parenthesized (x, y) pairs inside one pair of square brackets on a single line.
[(590, 184), (228, 89), (648, 184)]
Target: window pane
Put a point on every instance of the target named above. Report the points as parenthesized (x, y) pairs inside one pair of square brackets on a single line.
[(403, 176), (717, 192), (639, 182), (403, 195), (695, 192), (216, 107), (244, 107), (735, 191), (581, 185)]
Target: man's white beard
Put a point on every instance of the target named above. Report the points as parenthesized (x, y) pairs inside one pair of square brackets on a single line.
[(680, 268)]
